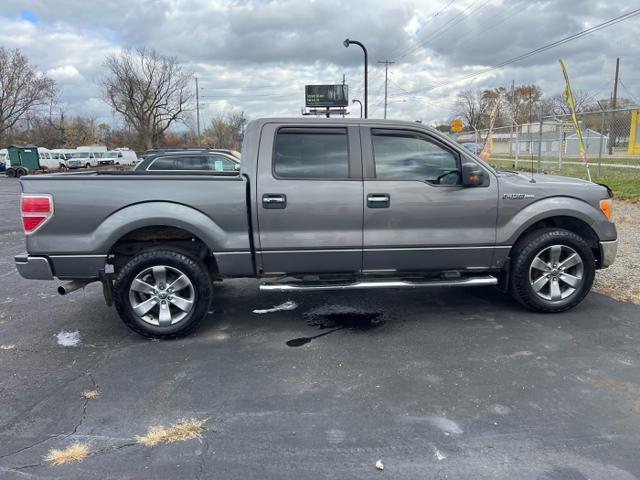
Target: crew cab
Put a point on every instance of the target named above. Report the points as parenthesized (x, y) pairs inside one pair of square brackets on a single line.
[(318, 204)]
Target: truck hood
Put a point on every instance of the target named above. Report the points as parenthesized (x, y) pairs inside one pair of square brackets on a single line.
[(542, 178), (551, 185)]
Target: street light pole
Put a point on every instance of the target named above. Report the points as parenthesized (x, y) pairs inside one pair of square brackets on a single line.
[(358, 101), (348, 42)]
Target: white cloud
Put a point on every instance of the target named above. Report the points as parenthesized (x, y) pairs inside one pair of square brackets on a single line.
[(65, 72), (256, 56)]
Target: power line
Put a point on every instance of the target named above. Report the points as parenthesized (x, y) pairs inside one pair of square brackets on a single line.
[(440, 34), (544, 48), (484, 30), (424, 24), (251, 87), (443, 28), (633, 97)]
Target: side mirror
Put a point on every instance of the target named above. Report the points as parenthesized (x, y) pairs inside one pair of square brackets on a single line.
[(236, 167), (472, 175)]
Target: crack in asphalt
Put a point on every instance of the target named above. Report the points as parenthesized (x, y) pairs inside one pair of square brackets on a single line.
[(47, 395), (108, 449), (77, 425), (203, 458)]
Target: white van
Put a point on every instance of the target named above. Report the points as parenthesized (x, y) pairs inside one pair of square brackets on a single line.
[(4, 159), (119, 156), (51, 160), (90, 155), (61, 155), (79, 159)]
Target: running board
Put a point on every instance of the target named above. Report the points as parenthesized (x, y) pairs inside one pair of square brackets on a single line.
[(363, 285)]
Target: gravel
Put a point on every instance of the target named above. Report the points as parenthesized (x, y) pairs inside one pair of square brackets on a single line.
[(622, 279)]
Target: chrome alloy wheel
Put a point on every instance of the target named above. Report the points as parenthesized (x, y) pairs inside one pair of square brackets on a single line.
[(161, 295), (556, 272)]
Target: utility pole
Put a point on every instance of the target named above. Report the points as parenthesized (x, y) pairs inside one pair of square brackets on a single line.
[(386, 83), (197, 111), (344, 79), (513, 115), (612, 139)]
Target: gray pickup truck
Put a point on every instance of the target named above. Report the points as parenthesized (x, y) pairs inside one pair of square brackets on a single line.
[(317, 205)]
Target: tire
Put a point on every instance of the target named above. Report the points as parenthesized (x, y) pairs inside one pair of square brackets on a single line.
[(11, 173), (87, 165), (546, 276), (145, 270), (21, 172)]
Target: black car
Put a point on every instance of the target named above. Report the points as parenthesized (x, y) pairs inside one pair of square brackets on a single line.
[(190, 159), (165, 150)]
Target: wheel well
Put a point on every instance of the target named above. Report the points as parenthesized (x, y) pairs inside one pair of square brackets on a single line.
[(572, 224), (160, 236)]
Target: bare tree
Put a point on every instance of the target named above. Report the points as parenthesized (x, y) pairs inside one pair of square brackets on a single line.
[(469, 106), (151, 91), (557, 105), (226, 130), (22, 88)]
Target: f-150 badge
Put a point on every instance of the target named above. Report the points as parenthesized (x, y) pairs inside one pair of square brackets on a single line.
[(517, 196)]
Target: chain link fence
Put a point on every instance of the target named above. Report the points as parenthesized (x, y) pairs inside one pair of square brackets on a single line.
[(611, 137)]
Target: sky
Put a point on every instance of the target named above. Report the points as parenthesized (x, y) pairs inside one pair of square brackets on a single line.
[(256, 56)]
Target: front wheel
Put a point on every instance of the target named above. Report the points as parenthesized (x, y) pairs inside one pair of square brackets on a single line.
[(552, 270), (162, 293)]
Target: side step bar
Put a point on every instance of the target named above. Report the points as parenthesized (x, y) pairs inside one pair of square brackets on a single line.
[(363, 285)]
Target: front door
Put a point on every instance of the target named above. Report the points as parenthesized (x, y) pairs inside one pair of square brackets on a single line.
[(309, 199), (418, 216)]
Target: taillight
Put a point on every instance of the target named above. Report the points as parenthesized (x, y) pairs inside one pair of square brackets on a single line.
[(35, 211)]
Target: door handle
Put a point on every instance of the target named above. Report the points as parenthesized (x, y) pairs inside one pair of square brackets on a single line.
[(274, 200), (378, 200)]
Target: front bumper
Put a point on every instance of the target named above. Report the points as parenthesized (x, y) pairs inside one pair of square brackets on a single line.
[(608, 251), (33, 268)]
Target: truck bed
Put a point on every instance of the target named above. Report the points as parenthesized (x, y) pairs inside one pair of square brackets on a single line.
[(93, 210)]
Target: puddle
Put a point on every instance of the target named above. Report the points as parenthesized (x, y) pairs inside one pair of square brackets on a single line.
[(68, 339), (336, 319), (278, 308)]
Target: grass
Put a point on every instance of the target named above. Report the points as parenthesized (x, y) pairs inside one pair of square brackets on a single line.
[(635, 160), (76, 452), (90, 394), (625, 183), (185, 429)]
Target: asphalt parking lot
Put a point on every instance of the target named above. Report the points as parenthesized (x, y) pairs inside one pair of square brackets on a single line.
[(446, 383)]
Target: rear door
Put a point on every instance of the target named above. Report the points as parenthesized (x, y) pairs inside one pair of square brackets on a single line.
[(309, 198), (418, 216)]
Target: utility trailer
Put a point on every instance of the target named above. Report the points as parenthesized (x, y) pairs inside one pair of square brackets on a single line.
[(23, 159)]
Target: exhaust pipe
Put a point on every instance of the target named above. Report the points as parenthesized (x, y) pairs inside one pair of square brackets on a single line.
[(72, 286)]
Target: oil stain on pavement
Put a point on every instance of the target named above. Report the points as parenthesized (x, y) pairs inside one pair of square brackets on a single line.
[(336, 318)]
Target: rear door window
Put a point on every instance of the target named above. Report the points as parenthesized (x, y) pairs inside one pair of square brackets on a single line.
[(311, 153)]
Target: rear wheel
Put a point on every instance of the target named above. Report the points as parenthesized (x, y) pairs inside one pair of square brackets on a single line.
[(552, 270), (11, 172), (21, 172), (162, 293)]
